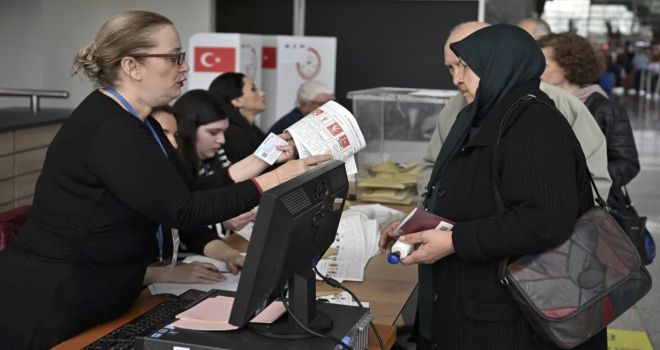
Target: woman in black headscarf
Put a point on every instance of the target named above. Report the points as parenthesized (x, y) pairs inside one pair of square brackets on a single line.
[(543, 182)]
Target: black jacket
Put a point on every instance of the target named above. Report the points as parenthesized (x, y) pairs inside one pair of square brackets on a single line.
[(241, 138), (622, 156), (544, 185)]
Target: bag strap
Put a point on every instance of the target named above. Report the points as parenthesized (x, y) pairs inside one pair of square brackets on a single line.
[(626, 194), (499, 203)]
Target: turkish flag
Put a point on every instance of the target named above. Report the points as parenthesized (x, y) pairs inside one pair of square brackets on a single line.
[(215, 59), (269, 57)]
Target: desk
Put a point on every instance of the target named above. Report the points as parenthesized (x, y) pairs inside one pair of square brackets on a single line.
[(386, 287)]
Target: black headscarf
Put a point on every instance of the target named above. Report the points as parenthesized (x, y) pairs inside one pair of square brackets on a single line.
[(503, 56)]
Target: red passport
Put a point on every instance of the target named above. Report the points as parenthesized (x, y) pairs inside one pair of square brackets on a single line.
[(420, 220)]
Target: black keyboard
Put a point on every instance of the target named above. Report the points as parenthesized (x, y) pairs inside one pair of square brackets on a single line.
[(123, 337)]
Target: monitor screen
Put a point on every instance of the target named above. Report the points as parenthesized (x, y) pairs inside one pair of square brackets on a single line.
[(297, 222)]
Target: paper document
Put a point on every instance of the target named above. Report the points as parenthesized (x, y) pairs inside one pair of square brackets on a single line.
[(382, 214), (268, 151), (331, 129), (342, 298), (212, 314), (230, 284), (356, 242)]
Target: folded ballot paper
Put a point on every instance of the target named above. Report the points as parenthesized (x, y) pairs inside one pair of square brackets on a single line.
[(356, 242), (330, 129)]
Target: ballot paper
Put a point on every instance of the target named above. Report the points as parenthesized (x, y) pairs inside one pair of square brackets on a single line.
[(230, 284), (268, 151), (355, 243), (342, 298), (330, 129)]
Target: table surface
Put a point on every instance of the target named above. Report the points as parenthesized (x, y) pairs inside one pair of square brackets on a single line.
[(386, 287)]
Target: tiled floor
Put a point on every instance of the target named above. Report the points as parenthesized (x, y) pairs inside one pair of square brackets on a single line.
[(645, 191)]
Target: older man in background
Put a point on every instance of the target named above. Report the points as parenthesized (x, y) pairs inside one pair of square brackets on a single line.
[(311, 95), (586, 129), (536, 27)]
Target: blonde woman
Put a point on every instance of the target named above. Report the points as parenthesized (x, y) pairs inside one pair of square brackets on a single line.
[(110, 179)]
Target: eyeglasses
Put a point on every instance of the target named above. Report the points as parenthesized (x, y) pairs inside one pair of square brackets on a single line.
[(180, 57)]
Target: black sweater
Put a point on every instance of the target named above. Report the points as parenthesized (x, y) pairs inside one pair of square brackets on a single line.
[(81, 257), (544, 185)]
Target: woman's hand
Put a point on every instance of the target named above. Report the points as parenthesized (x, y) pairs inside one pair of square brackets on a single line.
[(239, 222), (234, 261), (289, 152), (195, 272), (388, 237), (289, 170), (432, 245), (298, 167)]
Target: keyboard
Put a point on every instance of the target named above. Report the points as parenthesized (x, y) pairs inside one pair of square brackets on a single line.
[(123, 337)]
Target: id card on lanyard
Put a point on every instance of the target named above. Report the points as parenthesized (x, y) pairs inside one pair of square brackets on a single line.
[(159, 232)]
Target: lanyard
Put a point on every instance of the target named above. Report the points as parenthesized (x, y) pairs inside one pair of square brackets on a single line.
[(159, 233), (206, 169)]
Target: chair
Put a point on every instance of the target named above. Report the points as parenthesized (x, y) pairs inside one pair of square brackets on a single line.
[(11, 222)]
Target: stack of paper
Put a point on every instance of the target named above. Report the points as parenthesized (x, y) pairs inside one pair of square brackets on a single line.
[(356, 242), (212, 314), (390, 183), (230, 284), (330, 129)]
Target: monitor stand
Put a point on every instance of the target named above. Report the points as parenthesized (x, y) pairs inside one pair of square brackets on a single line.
[(302, 302)]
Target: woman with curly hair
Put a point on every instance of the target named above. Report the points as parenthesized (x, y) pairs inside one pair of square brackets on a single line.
[(573, 65)]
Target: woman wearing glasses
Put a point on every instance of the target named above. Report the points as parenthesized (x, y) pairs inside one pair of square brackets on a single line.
[(109, 180)]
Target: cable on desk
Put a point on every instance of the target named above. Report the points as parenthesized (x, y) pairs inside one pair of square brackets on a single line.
[(334, 283), (286, 305)]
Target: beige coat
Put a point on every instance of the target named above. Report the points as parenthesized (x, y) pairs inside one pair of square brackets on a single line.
[(584, 125)]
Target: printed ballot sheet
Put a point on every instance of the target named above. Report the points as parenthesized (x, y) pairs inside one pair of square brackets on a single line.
[(330, 129), (356, 242)]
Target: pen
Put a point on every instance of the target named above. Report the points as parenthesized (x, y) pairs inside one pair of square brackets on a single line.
[(218, 271)]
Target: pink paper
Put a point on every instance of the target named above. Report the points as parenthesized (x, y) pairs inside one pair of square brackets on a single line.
[(203, 325), (215, 309), (271, 313)]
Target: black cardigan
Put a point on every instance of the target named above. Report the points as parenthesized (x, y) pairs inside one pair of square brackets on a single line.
[(544, 185), (622, 156), (80, 258)]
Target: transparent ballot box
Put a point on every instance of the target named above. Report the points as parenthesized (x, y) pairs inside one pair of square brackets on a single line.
[(397, 124)]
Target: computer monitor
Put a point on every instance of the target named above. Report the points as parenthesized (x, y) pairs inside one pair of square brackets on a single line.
[(297, 223)]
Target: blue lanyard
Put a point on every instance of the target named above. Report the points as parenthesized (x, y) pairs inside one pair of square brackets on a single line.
[(159, 233), (206, 169)]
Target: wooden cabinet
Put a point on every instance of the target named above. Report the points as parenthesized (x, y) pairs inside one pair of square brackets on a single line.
[(22, 154)]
